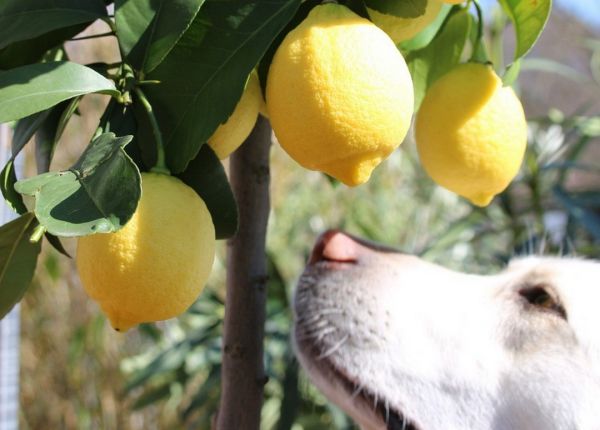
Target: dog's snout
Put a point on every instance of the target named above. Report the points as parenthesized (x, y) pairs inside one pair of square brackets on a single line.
[(335, 246)]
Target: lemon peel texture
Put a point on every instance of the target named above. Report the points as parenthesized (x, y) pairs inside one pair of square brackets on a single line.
[(471, 133), (401, 29), (339, 94), (155, 267), (230, 135)]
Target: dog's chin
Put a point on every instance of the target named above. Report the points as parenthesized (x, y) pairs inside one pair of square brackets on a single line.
[(363, 403)]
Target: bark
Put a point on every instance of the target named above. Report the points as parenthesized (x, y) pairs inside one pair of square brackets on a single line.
[(242, 375)]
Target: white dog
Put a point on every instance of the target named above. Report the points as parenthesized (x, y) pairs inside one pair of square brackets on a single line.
[(400, 343)]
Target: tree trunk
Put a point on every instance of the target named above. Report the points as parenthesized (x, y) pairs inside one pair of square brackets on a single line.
[(243, 375)]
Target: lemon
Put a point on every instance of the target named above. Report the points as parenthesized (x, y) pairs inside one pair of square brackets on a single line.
[(339, 94), (230, 135), (401, 29), (471, 133), (453, 1), (157, 264)]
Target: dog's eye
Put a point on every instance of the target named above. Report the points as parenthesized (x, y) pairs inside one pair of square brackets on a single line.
[(540, 297)]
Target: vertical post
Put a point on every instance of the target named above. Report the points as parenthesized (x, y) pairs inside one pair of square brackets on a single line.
[(243, 376), (10, 324)]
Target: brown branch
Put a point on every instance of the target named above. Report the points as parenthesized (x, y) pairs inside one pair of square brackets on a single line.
[(242, 375)]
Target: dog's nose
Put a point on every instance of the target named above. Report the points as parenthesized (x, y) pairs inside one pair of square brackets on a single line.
[(333, 245)]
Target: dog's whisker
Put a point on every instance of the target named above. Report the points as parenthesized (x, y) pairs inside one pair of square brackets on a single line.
[(317, 324), (316, 334), (543, 243), (387, 411), (357, 391), (325, 332), (334, 348)]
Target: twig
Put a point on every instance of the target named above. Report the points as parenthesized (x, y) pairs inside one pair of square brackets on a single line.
[(93, 36)]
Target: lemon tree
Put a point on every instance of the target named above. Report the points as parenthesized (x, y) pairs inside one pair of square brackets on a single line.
[(149, 196)]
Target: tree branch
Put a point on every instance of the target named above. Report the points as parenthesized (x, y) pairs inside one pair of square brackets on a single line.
[(242, 375)]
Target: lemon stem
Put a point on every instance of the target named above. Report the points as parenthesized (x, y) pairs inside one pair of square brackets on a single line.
[(479, 55), (37, 234), (160, 166)]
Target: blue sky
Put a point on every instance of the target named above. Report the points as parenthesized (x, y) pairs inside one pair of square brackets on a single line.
[(587, 10)]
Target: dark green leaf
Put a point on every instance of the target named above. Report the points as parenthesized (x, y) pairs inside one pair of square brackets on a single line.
[(356, 6), (401, 9), (36, 87), (441, 55), (7, 186), (152, 396), (211, 63), (206, 390), (46, 137), (98, 194), (149, 29), (165, 362), (290, 404), (205, 174), (586, 217), (18, 257), (120, 119), (425, 36), (529, 18), (33, 50), (57, 244), (25, 129), (299, 16), (26, 19)]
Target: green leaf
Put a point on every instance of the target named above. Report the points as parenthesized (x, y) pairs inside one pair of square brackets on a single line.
[(57, 244), (33, 50), (99, 194), (36, 87), (577, 208), (149, 29), (441, 55), (301, 13), (25, 129), (425, 36), (529, 18), (511, 73), (47, 136), (18, 258), (26, 19), (551, 66), (8, 179), (401, 9), (205, 174), (152, 396), (203, 77), (120, 119)]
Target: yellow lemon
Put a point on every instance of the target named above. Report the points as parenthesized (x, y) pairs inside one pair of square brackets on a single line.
[(401, 29), (230, 135), (471, 133), (155, 267), (339, 94), (453, 1)]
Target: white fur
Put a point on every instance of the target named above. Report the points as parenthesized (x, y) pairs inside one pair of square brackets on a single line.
[(452, 351)]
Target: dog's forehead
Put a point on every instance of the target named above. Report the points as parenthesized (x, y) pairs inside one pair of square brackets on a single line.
[(556, 270)]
